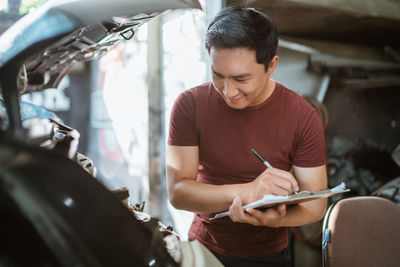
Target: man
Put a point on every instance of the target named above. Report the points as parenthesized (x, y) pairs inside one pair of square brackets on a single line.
[(213, 128)]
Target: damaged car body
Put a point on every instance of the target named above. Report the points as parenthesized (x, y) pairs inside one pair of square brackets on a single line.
[(52, 208)]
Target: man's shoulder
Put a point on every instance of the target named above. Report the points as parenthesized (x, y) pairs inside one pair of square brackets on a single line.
[(204, 88), (288, 93), (196, 96), (199, 93), (294, 99)]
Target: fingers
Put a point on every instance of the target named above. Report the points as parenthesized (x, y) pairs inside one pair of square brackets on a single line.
[(280, 179), (281, 210), (257, 214), (286, 175), (237, 213), (270, 217), (274, 188), (236, 210)]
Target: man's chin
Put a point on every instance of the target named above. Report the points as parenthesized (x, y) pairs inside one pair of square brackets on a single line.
[(237, 105)]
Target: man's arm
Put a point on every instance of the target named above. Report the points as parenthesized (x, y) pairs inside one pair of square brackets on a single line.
[(185, 192), (303, 213), (188, 194)]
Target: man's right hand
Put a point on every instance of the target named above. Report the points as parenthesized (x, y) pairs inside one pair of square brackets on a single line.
[(271, 181)]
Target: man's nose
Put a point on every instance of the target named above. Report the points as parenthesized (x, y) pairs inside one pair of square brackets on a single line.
[(229, 89)]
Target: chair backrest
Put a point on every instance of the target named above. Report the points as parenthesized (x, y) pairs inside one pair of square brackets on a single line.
[(362, 231)]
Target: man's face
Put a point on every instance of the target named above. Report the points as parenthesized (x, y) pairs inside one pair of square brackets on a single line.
[(239, 78)]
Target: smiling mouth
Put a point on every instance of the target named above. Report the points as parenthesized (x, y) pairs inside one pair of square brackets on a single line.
[(235, 99)]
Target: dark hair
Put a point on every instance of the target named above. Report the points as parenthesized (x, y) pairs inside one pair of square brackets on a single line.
[(235, 27)]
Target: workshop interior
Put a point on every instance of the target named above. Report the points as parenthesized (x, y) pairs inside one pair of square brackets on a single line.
[(82, 140)]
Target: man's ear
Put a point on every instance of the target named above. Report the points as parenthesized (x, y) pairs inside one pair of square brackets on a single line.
[(272, 64)]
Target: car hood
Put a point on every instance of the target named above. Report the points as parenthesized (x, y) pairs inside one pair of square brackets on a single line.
[(51, 205), (38, 50), (64, 32)]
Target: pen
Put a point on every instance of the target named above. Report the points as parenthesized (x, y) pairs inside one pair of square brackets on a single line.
[(266, 163)]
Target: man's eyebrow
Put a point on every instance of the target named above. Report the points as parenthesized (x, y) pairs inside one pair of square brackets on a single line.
[(239, 76), (216, 73)]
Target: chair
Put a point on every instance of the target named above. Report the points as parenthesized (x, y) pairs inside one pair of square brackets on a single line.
[(361, 231)]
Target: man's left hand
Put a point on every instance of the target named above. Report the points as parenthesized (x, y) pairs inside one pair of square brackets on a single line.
[(271, 217)]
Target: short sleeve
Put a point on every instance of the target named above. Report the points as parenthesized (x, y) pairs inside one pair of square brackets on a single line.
[(182, 126), (310, 148)]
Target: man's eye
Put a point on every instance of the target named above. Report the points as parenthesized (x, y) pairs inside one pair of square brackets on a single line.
[(241, 80)]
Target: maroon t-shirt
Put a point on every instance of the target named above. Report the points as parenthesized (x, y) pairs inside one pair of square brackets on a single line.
[(285, 129)]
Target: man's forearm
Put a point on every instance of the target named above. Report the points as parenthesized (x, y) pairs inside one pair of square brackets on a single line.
[(190, 195), (304, 213)]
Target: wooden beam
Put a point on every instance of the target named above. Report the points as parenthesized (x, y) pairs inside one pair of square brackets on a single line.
[(351, 68), (374, 22), (354, 73)]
